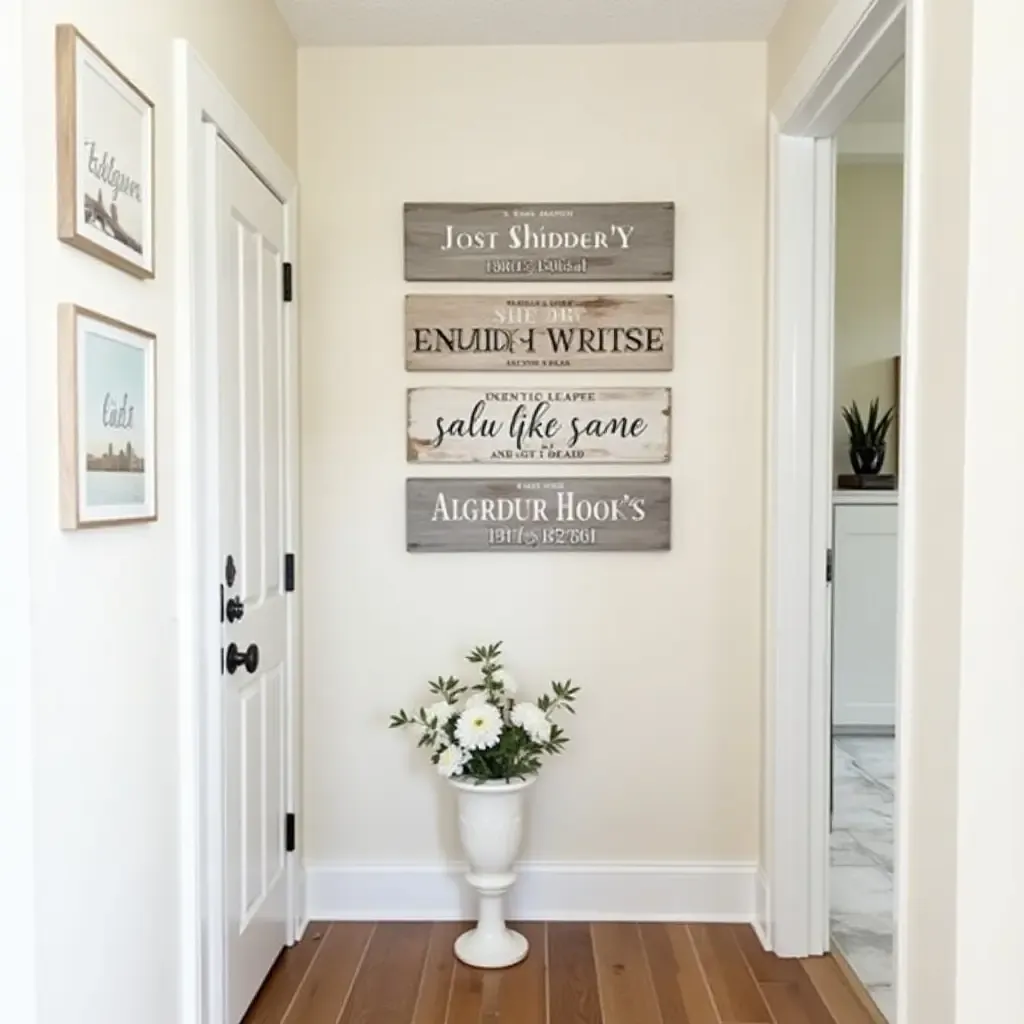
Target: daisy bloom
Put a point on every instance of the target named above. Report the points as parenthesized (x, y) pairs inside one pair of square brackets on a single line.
[(440, 712), (530, 717), (479, 728), (508, 683), (451, 761)]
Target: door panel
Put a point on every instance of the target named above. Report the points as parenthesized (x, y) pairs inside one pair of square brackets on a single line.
[(252, 521)]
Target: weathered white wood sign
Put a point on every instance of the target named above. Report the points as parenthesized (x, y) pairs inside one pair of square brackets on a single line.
[(539, 241), (538, 332), (539, 425), (539, 514)]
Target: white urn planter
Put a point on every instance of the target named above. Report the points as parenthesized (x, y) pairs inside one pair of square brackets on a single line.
[(491, 830)]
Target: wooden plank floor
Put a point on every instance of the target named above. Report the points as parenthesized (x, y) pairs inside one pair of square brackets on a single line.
[(609, 973)]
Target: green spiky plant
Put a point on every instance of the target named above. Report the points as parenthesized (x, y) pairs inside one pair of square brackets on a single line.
[(867, 439)]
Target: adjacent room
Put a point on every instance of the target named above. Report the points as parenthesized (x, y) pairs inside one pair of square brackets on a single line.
[(866, 363)]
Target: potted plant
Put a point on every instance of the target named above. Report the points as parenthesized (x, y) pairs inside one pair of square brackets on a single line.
[(490, 746), (867, 440)]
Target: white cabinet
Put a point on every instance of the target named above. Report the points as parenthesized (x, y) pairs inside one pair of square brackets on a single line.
[(864, 612)]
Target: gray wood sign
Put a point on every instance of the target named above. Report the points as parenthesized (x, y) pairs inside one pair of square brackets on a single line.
[(539, 242), (538, 332), (539, 425), (539, 514)]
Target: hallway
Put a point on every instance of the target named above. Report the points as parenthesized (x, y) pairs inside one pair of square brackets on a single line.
[(578, 973)]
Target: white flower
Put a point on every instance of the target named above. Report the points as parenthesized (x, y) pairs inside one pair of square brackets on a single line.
[(479, 728), (508, 682), (530, 717), (476, 700), (441, 712), (451, 761)]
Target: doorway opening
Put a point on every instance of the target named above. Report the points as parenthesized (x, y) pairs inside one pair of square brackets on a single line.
[(867, 346), (860, 43)]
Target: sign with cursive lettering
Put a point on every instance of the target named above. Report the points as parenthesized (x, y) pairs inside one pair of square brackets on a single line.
[(620, 513), (538, 332), (539, 425), (104, 158), (539, 242)]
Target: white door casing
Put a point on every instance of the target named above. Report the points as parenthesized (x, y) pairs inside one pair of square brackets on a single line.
[(860, 41), (251, 344), (207, 117)]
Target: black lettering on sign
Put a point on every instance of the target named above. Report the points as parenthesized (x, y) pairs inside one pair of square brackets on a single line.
[(582, 425)]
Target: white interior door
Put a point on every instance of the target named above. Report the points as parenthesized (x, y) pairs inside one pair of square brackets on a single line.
[(251, 234)]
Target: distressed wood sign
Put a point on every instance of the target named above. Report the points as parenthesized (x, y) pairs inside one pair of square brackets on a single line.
[(539, 514), (542, 332), (539, 241), (539, 425)]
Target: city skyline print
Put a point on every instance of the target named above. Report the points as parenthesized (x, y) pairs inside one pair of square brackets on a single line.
[(105, 158), (108, 422)]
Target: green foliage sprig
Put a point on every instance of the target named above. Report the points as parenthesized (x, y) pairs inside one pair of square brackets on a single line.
[(491, 734)]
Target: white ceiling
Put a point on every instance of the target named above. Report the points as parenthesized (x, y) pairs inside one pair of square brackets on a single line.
[(487, 22), (884, 104)]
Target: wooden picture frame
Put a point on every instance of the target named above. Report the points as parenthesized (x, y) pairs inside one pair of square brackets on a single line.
[(107, 404), (897, 384), (105, 158)]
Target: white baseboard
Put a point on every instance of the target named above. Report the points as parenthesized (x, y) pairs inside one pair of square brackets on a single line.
[(548, 891), (762, 908)]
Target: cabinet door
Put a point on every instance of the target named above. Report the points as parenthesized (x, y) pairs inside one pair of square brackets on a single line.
[(864, 616)]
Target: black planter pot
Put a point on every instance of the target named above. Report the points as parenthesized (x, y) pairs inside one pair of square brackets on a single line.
[(867, 461)]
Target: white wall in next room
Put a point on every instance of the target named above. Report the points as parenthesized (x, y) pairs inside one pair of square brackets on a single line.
[(868, 291)]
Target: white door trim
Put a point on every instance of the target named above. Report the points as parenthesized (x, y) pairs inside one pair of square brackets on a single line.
[(859, 42), (203, 110), (17, 867)]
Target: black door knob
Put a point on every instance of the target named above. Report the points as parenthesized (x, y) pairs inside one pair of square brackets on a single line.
[(235, 609), (235, 659)]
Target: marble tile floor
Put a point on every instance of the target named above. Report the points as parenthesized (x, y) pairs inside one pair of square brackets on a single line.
[(862, 902)]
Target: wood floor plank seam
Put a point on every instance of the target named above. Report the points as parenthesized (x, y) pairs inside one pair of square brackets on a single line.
[(306, 972), (355, 974), (547, 975), (597, 974), (650, 974), (753, 978), (423, 975), (703, 972), (448, 1002)]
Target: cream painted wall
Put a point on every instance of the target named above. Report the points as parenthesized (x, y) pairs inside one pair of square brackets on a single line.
[(790, 39), (868, 295), (103, 602), (663, 763)]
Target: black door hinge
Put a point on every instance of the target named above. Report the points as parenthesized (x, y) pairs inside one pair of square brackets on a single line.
[(289, 833), (289, 573), (286, 277), (828, 566)]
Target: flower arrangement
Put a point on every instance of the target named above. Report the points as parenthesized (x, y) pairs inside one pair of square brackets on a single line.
[(489, 735)]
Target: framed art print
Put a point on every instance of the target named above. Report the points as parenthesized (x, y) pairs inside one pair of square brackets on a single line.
[(107, 384), (104, 158)]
